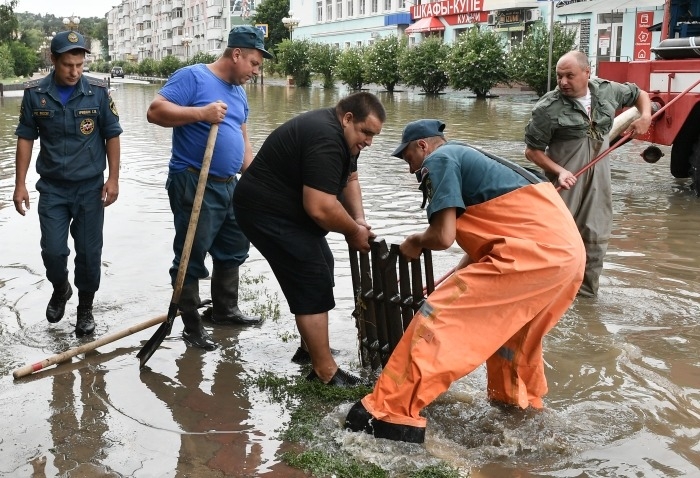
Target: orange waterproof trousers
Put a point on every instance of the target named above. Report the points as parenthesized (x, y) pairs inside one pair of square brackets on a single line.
[(527, 264)]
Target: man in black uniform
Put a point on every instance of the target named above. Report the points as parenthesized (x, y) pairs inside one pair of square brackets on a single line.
[(302, 184), (79, 126)]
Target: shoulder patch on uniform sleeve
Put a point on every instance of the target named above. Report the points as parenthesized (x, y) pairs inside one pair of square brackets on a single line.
[(31, 84), (96, 81), (113, 107)]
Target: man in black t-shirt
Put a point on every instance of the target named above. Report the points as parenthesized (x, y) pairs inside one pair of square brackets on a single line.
[(302, 184)]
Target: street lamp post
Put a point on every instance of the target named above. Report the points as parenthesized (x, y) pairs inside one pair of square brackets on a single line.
[(71, 23), (186, 42), (290, 24)]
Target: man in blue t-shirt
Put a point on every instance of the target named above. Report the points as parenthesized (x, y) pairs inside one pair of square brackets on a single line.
[(194, 98)]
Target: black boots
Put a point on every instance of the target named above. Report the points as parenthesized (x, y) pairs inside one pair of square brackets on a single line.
[(359, 419), (85, 324), (57, 304), (194, 333), (224, 295)]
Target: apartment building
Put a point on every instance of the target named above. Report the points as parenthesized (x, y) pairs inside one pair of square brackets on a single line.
[(139, 29)]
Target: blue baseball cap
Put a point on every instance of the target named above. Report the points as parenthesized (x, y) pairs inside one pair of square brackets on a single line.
[(67, 41), (247, 36), (424, 128)]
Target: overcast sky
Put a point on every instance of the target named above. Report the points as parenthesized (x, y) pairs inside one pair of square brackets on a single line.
[(63, 8)]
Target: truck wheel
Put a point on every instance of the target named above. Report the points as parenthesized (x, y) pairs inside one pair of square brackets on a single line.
[(695, 167), (684, 144)]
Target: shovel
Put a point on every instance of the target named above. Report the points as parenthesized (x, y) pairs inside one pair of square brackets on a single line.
[(166, 327)]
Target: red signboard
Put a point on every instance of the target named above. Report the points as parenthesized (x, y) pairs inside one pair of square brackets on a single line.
[(443, 8), (466, 18), (642, 36)]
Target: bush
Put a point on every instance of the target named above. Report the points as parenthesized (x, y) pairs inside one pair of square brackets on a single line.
[(382, 61), (323, 60), (202, 57), (294, 59), (351, 69), (148, 67), (424, 65), (477, 61), (529, 61), (7, 64), (168, 66)]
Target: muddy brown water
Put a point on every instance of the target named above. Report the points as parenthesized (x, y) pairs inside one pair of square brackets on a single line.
[(623, 369)]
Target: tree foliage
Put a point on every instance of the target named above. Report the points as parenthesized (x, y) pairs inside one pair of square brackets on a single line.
[(25, 60), (382, 61), (351, 67), (148, 67), (202, 57), (168, 66), (9, 26), (477, 61), (424, 65), (294, 59), (528, 61), (271, 12), (7, 64), (323, 59)]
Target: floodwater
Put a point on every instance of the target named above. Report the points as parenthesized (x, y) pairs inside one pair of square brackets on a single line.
[(623, 369)]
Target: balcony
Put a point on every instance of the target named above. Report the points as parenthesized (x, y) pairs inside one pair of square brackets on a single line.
[(215, 11)]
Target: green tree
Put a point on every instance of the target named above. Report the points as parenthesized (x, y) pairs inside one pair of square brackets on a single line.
[(477, 61), (323, 60), (25, 59), (382, 61), (9, 25), (7, 64), (528, 61), (351, 67), (424, 65), (202, 57), (148, 67), (271, 12), (168, 66), (293, 58)]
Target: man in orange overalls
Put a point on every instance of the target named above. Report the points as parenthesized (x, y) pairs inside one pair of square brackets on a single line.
[(524, 263)]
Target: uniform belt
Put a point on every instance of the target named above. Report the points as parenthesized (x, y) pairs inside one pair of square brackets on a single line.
[(217, 179)]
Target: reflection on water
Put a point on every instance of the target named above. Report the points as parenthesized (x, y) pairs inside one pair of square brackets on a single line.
[(623, 370)]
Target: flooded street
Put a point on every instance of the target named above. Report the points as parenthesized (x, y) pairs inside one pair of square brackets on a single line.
[(623, 369)]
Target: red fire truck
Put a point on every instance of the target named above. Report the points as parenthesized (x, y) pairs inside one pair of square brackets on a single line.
[(672, 80)]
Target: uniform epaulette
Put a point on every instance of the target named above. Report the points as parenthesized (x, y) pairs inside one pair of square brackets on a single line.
[(31, 84), (97, 82)]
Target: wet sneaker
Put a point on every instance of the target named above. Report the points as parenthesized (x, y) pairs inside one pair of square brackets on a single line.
[(302, 357), (340, 379)]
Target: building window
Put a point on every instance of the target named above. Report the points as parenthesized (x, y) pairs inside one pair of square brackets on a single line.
[(319, 11), (339, 9), (359, 43), (350, 10), (375, 6), (387, 5), (362, 7), (329, 10)]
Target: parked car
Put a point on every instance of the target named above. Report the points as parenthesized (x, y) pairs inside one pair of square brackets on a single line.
[(86, 69), (117, 71)]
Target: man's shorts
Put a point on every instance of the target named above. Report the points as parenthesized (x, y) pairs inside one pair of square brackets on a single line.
[(301, 261)]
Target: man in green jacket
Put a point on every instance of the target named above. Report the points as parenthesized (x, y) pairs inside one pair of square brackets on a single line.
[(568, 129)]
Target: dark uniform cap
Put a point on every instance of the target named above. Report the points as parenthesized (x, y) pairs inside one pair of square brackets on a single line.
[(247, 36), (420, 129), (66, 41)]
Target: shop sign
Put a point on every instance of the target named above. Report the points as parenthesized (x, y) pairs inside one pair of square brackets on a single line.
[(642, 36), (446, 7)]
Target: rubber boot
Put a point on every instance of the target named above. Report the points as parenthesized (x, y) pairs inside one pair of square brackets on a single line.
[(194, 333), (224, 295), (85, 325), (57, 304)]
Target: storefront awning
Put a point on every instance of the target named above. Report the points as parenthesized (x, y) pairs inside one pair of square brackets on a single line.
[(608, 6), (427, 24)]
